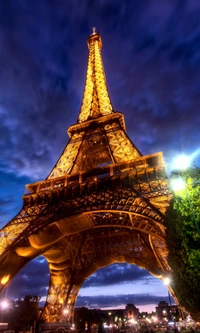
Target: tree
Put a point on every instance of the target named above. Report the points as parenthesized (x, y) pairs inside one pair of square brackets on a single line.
[(183, 240)]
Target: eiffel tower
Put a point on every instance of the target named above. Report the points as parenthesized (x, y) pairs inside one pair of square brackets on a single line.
[(102, 203)]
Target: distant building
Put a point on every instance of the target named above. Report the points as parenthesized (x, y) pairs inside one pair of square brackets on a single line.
[(131, 312), (115, 317), (165, 311)]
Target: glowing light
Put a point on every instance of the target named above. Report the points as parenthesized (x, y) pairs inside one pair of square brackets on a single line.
[(5, 279), (177, 184), (65, 311), (182, 162), (4, 304), (167, 281)]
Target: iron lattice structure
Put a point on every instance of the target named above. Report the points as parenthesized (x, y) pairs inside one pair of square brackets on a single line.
[(102, 203)]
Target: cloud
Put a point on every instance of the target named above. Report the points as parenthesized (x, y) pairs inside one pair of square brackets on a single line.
[(6, 201), (12, 188), (6, 207), (106, 301), (35, 277), (32, 279), (116, 274)]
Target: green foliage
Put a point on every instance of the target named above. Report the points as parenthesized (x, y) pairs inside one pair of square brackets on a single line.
[(183, 240)]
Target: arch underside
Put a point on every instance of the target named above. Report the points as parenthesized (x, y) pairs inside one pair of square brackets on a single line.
[(74, 258), (79, 236)]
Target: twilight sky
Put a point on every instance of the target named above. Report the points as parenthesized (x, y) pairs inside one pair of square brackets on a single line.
[(151, 55)]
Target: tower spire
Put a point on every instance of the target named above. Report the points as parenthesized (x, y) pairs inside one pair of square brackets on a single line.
[(96, 101), (99, 138)]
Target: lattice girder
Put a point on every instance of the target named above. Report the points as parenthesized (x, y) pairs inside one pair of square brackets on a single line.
[(96, 101), (132, 200), (49, 235), (107, 193), (58, 293), (96, 143), (113, 193)]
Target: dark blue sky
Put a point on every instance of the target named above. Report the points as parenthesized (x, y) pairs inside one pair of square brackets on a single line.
[(151, 54)]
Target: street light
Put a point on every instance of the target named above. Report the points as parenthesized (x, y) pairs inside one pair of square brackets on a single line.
[(181, 162), (167, 282), (4, 305), (178, 184)]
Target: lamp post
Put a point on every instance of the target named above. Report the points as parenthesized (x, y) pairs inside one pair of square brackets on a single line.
[(178, 184), (167, 282)]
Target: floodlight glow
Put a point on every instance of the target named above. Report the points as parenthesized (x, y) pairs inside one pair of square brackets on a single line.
[(182, 162), (166, 281), (4, 304), (177, 184)]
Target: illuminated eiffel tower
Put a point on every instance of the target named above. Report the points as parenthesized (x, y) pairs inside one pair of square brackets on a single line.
[(102, 203)]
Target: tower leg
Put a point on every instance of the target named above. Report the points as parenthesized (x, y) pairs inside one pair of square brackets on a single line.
[(61, 297)]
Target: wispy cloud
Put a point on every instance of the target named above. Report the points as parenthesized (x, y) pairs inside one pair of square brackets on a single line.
[(116, 274), (106, 301)]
